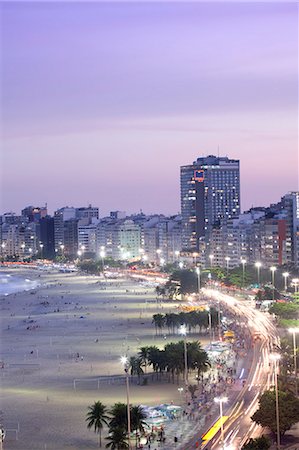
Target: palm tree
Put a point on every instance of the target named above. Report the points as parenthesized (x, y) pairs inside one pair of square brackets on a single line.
[(135, 366), (119, 418), (143, 355), (117, 439), (97, 417), (158, 320), (138, 420)]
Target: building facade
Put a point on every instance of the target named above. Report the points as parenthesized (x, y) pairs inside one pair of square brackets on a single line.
[(210, 191)]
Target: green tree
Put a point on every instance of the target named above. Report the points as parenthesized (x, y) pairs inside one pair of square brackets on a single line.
[(135, 366), (137, 420), (288, 411), (97, 417), (285, 310), (260, 443), (143, 355), (159, 321), (119, 418), (117, 439), (185, 279)]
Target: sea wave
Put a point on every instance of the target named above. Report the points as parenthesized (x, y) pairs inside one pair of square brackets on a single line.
[(11, 284)]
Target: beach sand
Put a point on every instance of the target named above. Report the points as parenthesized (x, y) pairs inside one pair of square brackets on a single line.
[(42, 334)]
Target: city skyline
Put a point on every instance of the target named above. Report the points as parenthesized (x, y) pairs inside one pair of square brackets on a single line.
[(105, 106)]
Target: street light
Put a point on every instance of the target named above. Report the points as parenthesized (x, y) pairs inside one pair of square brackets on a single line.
[(285, 276), (102, 255), (181, 265), (211, 260), (162, 262), (294, 331), (41, 250), (197, 270), (62, 249), (183, 332), (258, 266), (275, 357), (273, 269), (227, 259), (180, 389), (221, 400), (125, 362), (210, 322), (295, 282), (243, 262)]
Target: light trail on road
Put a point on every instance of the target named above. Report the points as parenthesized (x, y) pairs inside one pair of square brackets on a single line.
[(239, 427)]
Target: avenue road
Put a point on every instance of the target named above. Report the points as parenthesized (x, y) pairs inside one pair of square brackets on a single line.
[(258, 372)]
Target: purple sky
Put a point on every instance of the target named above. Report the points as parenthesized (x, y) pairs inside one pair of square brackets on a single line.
[(102, 102)]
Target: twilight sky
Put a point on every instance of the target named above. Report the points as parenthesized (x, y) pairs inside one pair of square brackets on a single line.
[(102, 102)]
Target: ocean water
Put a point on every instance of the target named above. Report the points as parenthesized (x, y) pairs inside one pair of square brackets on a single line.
[(10, 284)]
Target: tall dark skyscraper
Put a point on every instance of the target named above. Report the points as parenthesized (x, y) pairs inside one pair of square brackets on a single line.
[(210, 191)]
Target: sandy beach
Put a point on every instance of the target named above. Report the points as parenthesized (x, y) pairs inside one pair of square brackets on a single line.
[(71, 327)]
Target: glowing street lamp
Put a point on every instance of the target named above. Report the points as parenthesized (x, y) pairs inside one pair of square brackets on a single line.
[(294, 331), (180, 389), (295, 282), (41, 246), (102, 255), (208, 309), (183, 332), (258, 266), (273, 269), (275, 357), (197, 270), (285, 276), (227, 259), (211, 260), (243, 262), (221, 400), (125, 363), (177, 254)]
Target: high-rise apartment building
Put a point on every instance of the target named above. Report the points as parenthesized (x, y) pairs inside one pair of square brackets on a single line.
[(210, 191)]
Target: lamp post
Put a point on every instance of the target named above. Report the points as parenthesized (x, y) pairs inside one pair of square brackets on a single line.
[(295, 282), (62, 249), (273, 269), (294, 331), (102, 255), (258, 266), (221, 400), (3, 245), (125, 362), (23, 250), (183, 332), (275, 357), (181, 265), (177, 254), (197, 270), (158, 251), (285, 276), (41, 246), (180, 389), (210, 322), (243, 262), (227, 259), (219, 322), (211, 260)]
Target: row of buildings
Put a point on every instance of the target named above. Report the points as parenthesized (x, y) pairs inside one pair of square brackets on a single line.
[(211, 229), (79, 232)]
